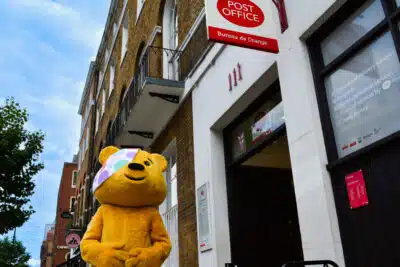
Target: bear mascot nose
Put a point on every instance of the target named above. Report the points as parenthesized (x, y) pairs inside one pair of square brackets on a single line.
[(136, 167)]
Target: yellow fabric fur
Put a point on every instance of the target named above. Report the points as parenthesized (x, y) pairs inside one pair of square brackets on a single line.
[(127, 229)]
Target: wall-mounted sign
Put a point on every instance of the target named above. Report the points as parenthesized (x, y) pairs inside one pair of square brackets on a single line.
[(73, 240), (62, 247), (204, 218), (242, 23), (356, 190)]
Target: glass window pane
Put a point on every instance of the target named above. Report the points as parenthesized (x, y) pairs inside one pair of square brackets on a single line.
[(173, 171), (258, 126), (398, 3), (174, 193), (363, 96), (355, 27)]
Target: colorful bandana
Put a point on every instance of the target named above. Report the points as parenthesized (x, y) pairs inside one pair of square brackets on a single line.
[(114, 163)]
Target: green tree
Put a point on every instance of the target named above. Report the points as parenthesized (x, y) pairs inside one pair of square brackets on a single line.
[(19, 156), (13, 254)]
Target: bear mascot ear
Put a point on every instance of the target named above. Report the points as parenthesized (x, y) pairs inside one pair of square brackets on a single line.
[(106, 153), (161, 161)]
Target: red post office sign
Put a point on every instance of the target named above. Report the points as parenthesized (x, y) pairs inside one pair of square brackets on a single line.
[(356, 190), (242, 23)]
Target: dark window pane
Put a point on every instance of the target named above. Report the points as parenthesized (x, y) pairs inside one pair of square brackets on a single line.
[(355, 27), (363, 96)]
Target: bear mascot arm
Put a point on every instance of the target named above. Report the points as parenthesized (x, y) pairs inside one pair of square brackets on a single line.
[(96, 253), (158, 252)]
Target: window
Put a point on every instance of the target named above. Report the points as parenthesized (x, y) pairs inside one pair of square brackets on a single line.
[(140, 4), (357, 71), (361, 22), (97, 118), (173, 27), (106, 56), (115, 29), (173, 182), (170, 175), (103, 101), (87, 138), (125, 35), (100, 78), (83, 149), (112, 80), (72, 203), (74, 178)]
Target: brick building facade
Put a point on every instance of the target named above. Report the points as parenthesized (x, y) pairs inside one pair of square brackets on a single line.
[(135, 97), (47, 248), (65, 203)]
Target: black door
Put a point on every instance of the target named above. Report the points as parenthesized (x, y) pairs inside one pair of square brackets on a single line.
[(263, 218), (371, 234)]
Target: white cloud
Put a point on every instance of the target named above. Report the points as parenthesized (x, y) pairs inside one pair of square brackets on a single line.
[(34, 262), (70, 22)]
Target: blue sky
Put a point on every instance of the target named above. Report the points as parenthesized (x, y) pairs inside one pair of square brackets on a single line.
[(45, 50)]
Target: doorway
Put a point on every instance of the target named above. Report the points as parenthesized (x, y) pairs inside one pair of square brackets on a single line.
[(262, 210)]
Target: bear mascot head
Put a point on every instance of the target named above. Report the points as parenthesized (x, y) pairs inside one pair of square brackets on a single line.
[(127, 229)]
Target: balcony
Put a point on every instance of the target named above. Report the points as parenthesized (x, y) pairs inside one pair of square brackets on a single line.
[(151, 100)]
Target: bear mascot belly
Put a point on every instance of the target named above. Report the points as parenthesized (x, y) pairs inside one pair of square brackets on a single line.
[(127, 229)]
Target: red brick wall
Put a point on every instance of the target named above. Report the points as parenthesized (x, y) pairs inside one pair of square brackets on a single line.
[(64, 193)]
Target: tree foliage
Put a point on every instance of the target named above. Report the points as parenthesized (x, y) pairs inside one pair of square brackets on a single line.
[(19, 163), (13, 254)]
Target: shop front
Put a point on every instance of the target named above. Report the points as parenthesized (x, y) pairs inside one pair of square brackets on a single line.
[(264, 193), (264, 196), (357, 80)]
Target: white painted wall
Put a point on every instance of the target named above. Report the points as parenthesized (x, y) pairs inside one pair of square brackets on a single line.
[(214, 107)]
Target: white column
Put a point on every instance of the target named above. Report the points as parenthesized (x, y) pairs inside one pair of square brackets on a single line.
[(316, 208)]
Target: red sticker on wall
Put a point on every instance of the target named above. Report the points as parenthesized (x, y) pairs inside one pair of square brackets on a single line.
[(356, 190), (241, 12)]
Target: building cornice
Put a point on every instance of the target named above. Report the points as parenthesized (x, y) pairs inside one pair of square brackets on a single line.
[(86, 88)]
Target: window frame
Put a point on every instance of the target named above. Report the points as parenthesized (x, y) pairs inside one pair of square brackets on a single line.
[(140, 5), (72, 204), (112, 79), (73, 185), (320, 71), (103, 100), (125, 36), (169, 153)]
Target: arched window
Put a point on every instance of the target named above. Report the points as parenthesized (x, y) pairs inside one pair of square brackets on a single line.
[(170, 39), (138, 55), (170, 25)]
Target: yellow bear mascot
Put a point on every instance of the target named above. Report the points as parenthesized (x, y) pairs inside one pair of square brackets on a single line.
[(127, 229)]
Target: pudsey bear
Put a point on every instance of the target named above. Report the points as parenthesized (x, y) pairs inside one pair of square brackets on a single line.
[(127, 229)]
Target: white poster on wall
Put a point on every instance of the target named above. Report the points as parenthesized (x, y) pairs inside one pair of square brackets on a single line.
[(243, 23), (203, 213)]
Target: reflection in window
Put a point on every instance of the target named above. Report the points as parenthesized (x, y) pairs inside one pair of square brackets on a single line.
[(365, 19), (358, 90), (256, 128)]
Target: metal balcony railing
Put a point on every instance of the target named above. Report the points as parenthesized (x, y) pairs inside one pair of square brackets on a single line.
[(195, 50), (323, 263), (157, 63)]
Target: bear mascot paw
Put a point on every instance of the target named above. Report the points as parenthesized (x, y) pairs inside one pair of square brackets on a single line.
[(127, 229)]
